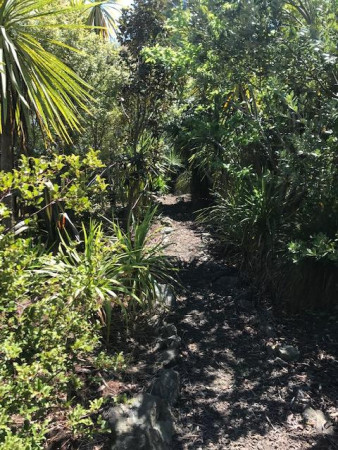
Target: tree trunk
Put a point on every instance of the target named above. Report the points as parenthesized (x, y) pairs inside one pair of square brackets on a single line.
[(200, 189), (7, 160), (6, 149), (7, 164)]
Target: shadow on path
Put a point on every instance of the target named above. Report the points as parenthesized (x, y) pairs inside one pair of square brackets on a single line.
[(236, 392)]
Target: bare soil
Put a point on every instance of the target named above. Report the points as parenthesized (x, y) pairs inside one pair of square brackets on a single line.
[(236, 393)]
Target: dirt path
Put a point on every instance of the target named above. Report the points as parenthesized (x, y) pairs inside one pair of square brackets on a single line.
[(236, 392)]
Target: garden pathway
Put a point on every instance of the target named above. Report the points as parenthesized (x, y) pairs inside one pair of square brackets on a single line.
[(236, 392)]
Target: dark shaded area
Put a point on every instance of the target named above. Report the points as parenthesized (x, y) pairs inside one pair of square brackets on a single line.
[(183, 210), (200, 187)]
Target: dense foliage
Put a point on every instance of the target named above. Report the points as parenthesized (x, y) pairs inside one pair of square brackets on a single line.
[(239, 98), (69, 275), (258, 129)]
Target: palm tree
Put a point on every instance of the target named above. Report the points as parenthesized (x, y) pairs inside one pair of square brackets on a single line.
[(100, 15), (35, 84)]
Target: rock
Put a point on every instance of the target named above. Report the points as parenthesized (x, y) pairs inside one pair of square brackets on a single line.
[(288, 352), (168, 330), (167, 343), (165, 295), (173, 342), (166, 386), (318, 420), (168, 338), (168, 358), (145, 424), (167, 230), (166, 221), (300, 400)]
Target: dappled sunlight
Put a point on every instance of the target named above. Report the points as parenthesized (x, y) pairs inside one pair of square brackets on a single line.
[(235, 392)]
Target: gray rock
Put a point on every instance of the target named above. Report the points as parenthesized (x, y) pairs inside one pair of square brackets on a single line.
[(145, 424), (318, 420), (167, 343), (167, 230), (166, 221), (168, 358), (288, 352), (300, 400), (166, 386), (165, 295), (173, 342), (168, 338), (168, 330)]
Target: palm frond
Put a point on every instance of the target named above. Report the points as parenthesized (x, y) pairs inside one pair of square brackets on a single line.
[(102, 19), (34, 79)]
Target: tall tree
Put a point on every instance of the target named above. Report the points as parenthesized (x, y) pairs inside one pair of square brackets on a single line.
[(145, 96)]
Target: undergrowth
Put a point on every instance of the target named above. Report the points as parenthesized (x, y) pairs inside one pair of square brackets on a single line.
[(57, 305)]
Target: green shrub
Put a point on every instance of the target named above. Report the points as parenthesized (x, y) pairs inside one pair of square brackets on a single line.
[(55, 312), (44, 334), (283, 225), (45, 188)]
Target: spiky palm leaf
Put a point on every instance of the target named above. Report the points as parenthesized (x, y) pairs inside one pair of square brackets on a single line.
[(100, 16), (33, 80)]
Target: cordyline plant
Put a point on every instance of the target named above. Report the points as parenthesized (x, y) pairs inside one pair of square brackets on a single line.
[(100, 16), (35, 84)]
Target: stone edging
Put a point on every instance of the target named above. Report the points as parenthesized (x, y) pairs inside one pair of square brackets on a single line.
[(146, 421)]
